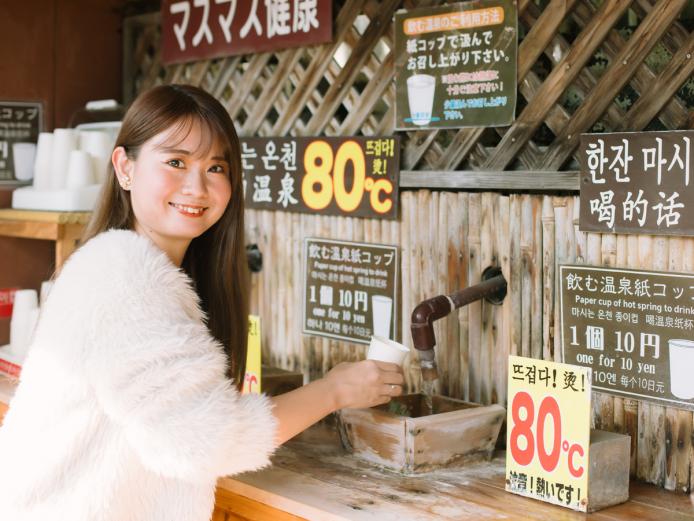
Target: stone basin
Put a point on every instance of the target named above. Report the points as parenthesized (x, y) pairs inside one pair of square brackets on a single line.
[(404, 437)]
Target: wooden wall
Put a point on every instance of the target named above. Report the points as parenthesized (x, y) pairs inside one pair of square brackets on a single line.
[(584, 66), (63, 53)]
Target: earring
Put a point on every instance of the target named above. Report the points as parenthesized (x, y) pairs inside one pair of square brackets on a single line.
[(126, 183)]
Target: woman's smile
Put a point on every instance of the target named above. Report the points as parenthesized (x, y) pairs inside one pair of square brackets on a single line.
[(189, 210)]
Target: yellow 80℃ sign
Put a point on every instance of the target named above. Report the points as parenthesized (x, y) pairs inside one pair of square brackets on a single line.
[(548, 431)]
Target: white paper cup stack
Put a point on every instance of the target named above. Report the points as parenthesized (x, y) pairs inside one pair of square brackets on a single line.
[(386, 350), (64, 142), (98, 145), (80, 170), (25, 311), (43, 162)]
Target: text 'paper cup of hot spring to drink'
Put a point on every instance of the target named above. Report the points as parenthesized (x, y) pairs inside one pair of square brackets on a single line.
[(420, 95), (386, 350), (681, 364)]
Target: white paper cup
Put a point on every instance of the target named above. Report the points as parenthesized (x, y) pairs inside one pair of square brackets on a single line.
[(80, 170), (420, 95), (25, 300), (681, 364), (386, 350), (64, 142), (46, 287), (98, 144), (24, 155), (44, 160), (24, 316)]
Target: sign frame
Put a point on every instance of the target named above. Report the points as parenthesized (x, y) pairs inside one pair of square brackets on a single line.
[(395, 299)]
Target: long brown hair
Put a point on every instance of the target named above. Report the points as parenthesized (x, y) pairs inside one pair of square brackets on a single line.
[(216, 260)]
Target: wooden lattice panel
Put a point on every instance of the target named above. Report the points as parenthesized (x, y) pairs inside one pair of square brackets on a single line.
[(583, 66)]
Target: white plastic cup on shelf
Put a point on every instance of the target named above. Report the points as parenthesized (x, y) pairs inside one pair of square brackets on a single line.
[(80, 170), (386, 350), (44, 159), (24, 155), (64, 142), (24, 316), (98, 144)]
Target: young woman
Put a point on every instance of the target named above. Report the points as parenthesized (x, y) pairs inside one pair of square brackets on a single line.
[(127, 408)]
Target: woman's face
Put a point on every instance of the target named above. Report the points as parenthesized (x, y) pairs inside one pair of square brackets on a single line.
[(180, 186)]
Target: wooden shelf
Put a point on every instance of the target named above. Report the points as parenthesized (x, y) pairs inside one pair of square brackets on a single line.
[(65, 228)]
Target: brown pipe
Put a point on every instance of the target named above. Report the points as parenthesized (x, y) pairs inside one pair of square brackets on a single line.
[(428, 311)]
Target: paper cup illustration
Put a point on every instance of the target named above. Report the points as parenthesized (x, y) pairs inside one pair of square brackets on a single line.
[(24, 155), (420, 94), (681, 364), (386, 350), (381, 313), (44, 159)]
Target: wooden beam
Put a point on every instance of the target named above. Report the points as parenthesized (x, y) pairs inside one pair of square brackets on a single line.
[(488, 180)]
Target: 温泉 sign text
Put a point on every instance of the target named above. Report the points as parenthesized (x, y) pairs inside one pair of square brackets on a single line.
[(353, 176), (634, 328), (20, 122), (456, 65), (350, 289)]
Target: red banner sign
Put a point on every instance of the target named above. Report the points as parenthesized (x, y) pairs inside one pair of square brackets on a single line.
[(203, 29)]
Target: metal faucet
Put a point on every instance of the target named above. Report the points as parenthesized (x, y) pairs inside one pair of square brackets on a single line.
[(492, 288)]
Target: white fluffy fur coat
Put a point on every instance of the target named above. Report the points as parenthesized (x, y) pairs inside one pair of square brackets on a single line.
[(123, 411)]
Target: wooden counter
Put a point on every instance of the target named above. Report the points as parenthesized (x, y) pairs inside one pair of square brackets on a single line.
[(312, 478)]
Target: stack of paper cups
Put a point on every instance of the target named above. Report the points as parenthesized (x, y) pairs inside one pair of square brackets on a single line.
[(46, 287), (44, 159), (64, 142), (98, 145), (25, 311), (79, 170)]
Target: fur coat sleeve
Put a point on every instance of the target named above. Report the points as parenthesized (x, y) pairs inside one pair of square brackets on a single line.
[(152, 364)]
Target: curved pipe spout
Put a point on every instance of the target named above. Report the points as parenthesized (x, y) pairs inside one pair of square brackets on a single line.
[(428, 311)]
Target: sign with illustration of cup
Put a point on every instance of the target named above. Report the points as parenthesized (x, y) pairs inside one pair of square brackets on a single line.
[(350, 289), (634, 328), (20, 124), (456, 65), (638, 182), (346, 176), (548, 431), (203, 29)]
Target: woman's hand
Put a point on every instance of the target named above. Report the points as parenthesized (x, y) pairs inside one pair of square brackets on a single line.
[(364, 384)]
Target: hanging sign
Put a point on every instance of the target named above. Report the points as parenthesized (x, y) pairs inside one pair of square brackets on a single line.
[(638, 182), (548, 431), (456, 65), (634, 328), (350, 289), (20, 122), (347, 176), (203, 29)]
